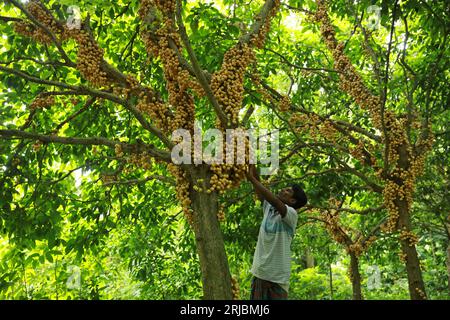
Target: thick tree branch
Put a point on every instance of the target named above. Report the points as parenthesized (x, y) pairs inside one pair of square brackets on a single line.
[(47, 30), (388, 54), (247, 115), (348, 210), (198, 71), (81, 90), (112, 73), (375, 187), (150, 149), (10, 19), (139, 181), (372, 185), (43, 63), (337, 124), (297, 9), (260, 20)]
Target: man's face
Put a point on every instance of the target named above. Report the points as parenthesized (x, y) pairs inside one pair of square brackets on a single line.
[(287, 196)]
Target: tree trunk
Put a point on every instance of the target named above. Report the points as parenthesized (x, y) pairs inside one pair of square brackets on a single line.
[(415, 280), (309, 258), (448, 265), (208, 236), (447, 225), (355, 277), (330, 280)]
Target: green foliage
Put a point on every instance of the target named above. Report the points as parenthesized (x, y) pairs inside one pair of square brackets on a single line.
[(59, 223)]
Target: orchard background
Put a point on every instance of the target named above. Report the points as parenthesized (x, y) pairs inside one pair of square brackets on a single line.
[(91, 206)]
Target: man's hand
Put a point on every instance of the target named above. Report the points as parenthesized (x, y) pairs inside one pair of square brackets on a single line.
[(262, 192), (253, 177)]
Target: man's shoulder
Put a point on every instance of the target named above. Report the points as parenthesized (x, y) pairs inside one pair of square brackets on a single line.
[(291, 210)]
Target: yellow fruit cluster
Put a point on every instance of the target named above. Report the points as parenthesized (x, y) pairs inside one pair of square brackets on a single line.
[(355, 248), (183, 185), (178, 81), (369, 242), (228, 83), (42, 101), (197, 88), (29, 30), (167, 6), (393, 132), (90, 58), (357, 152), (339, 234), (350, 80), (133, 87), (118, 150), (334, 202), (157, 111), (364, 153), (145, 7), (147, 102), (256, 79), (226, 176), (108, 178), (311, 124), (259, 39), (285, 104), (332, 225), (396, 133), (328, 131), (221, 213), (391, 191), (36, 9), (409, 237), (185, 110), (400, 187), (403, 257), (142, 160), (37, 145), (302, 123), (421, 293), (359, 247), (235, 288), (158, 38)]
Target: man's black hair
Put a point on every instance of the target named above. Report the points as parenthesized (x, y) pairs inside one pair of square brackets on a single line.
[(299, 196)]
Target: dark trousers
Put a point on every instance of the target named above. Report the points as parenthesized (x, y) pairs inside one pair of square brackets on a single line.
[(266, 290)]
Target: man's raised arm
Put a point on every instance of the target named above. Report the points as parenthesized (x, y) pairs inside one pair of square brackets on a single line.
[(263, 193)]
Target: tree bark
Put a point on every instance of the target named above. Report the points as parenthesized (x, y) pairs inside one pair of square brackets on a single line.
[(448, 265), (309, 258), (330, 280), (415, 280), (216, 276), (447, 231), (355, 277)]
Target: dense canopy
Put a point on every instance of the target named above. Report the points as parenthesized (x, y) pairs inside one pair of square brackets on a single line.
[(92, 206)]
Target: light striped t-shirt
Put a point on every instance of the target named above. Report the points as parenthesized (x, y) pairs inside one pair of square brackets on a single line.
[(272, 258)]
